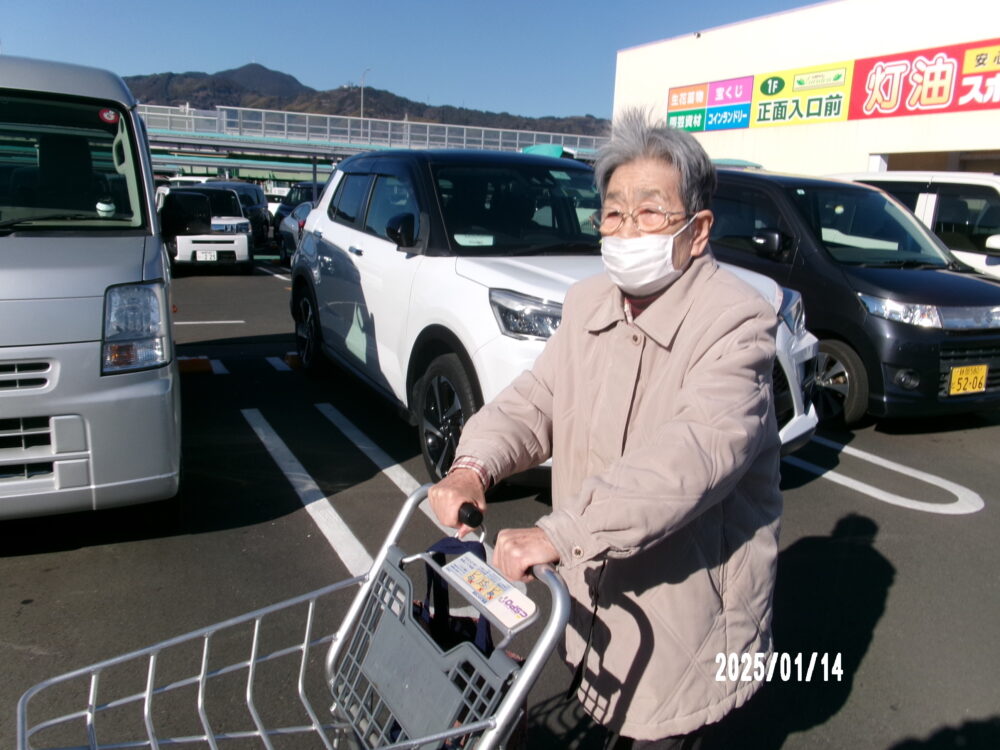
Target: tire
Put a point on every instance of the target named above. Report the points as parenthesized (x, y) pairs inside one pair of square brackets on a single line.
[(308, 337), (247, 268), (445, 399), (284, 253), (841, 383)]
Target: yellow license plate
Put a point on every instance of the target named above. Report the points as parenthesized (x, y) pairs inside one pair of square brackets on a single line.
[(968, 379)]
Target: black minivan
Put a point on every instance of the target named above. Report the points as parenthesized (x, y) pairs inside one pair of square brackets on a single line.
[(905, 328)]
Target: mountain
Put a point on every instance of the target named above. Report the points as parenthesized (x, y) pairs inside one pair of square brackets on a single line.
[(256, 86)]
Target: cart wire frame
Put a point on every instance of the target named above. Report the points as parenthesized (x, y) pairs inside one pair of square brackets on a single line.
[(388, 682)]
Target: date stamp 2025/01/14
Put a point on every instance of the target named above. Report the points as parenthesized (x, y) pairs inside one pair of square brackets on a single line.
[(779, 666)]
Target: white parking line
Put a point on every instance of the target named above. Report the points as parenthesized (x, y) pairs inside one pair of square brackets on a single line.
[(396, 473), (401, 478), (338, 534), (278, 364), (218, 368), (275, 274), (209, 322), (966, 501)]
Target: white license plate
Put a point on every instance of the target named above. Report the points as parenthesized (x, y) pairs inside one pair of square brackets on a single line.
[(205, 255)]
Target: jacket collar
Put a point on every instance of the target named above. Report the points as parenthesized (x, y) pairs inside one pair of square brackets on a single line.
[(663, 317)]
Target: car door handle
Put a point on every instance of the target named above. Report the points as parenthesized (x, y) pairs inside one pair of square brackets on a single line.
[(355, 250)]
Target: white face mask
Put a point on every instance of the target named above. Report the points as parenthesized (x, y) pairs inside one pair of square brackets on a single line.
[(641, 265)]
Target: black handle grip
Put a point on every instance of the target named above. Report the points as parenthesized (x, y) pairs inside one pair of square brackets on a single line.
[(470, 515)]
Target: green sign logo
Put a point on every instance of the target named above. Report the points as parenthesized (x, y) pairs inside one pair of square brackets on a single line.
[(772, 86)]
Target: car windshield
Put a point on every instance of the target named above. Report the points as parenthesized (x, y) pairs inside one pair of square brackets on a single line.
[(223, 202), (859, 226), (67, 165), (518, 209)]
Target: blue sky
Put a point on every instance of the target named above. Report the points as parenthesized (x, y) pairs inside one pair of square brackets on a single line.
[(527, 58)]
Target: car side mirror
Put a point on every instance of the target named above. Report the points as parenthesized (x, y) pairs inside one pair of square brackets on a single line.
[(401, 229), (768, 244), (993, 244)]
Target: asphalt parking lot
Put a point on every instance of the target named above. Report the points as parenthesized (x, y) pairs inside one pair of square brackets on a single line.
[(887, 567)]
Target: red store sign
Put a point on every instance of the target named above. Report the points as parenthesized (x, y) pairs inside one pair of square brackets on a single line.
[(959, 78)]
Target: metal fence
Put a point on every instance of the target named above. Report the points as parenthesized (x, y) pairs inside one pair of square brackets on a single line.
[(356, 132)]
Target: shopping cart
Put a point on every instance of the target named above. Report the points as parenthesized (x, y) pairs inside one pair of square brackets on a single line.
[(262, 680)]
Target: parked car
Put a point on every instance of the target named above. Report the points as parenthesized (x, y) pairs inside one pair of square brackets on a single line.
[(207, 228), (90, 412), (904, 328), (290, 231), (274, 197), (962, 209), (254, 207), (437, 276), (298, 193)]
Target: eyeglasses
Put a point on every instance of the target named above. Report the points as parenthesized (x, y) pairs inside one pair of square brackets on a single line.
[(645, 218)]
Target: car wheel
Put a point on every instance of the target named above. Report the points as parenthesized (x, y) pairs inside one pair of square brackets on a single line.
[(285, 252), (841, 383), (307, 332), (445, 399)]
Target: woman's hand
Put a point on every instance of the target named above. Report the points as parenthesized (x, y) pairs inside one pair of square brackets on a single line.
[(518, 549), (448, 495)]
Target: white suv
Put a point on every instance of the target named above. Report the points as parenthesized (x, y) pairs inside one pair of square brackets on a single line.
[(437, 276)]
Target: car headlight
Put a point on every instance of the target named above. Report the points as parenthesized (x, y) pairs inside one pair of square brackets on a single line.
[(524, 317), (792, 311), (241, 227), (135, 328), (925, 316)]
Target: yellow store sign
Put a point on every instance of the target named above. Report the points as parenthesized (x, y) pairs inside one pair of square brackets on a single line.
[(801, 96)]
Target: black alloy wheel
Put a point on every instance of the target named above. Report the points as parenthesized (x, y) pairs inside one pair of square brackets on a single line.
[(307, 333), (841, 383), (446, 399)]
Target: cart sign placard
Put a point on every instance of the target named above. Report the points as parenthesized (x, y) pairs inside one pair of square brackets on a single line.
[(959, 78)]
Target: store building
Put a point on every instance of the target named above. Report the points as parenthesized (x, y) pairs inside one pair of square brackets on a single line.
[(838, 86)]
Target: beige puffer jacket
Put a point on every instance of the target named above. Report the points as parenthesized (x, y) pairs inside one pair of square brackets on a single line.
[(665, 462)]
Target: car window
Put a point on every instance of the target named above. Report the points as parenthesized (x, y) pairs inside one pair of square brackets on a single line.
[(349, 199), (68, 164), (858, 226), (222, 201), (741, 213), (517, 208), (906, 193), (966, 216), (391, 196)]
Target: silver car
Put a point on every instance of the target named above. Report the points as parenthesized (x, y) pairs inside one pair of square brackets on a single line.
[(89, 392)]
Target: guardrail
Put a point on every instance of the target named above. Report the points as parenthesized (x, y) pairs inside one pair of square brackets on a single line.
[(356, 132)]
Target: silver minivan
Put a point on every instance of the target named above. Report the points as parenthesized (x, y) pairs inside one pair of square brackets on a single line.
[(89, 388)]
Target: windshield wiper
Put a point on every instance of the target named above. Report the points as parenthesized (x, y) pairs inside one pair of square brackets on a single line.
[(44, 217), (903, 264)]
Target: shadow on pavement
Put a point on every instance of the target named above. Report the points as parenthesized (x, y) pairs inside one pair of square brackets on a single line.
[(829, 594), (972, 735)]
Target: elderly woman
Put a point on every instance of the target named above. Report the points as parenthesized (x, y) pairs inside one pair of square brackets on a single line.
[(653, 399)]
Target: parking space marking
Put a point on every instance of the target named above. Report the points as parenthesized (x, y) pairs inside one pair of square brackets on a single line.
[(278, 364), (399, 477), (218, 368), (275, 274), (320, 509), (382, 460), (209, 322), (966, 501)]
